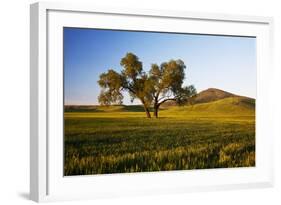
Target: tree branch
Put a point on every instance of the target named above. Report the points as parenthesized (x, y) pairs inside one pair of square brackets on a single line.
[(130, 89), (167, 99)]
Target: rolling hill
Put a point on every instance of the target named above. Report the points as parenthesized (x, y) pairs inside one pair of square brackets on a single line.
[(209, 101), (212, 94), (216, 101), (205, 96), (231, 105)]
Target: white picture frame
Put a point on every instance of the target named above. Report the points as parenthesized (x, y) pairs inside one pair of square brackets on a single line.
[(47, 182)]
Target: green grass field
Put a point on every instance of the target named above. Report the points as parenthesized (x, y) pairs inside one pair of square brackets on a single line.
[(120, 139)]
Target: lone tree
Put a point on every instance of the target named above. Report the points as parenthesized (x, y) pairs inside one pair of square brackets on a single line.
[(168, 84), (161, 84), (131, 79)]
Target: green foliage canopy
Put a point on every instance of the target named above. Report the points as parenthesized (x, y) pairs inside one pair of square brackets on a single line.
[(168, 81), (160, 84)]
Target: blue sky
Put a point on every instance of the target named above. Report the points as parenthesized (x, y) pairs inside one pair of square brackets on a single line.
[(224, 62)]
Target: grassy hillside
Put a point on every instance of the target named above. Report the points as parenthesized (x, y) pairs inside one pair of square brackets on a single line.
[(212, 94), (230, 105)]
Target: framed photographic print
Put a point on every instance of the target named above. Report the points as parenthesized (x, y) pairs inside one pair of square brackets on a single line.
[(127, 102)]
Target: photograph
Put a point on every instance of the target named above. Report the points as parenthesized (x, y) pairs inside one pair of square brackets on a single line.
[(149, 101)]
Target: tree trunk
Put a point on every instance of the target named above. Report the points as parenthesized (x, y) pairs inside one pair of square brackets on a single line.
[(156, 108), (145, 109), (147, 112)]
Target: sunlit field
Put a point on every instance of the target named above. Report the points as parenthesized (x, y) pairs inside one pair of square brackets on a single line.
[(119, 139)]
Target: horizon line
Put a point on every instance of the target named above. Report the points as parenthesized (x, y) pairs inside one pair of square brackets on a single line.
[(236, 95)]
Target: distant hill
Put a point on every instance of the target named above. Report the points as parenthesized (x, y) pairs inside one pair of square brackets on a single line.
[(212, 94), (210, 101), (215, 100), (230, 105), (205, 96)]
